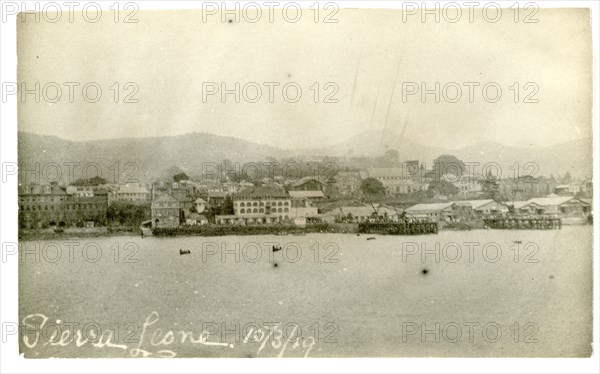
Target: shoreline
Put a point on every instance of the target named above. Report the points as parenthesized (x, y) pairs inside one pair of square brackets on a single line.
[(215, 231)]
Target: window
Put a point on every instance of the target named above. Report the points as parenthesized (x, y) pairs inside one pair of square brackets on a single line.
[(242, 204), (242, 211), (255, 210), (261, 210)]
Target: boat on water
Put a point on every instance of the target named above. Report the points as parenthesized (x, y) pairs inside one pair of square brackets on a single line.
[(276, 248), (184, 252), (371, 238)]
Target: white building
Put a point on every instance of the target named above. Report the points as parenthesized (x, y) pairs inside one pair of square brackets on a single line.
[(395, 180)]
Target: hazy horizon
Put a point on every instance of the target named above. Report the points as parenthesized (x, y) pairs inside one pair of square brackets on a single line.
[(170, 55), (298, 149)]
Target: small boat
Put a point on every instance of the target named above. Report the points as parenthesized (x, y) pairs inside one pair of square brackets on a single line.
[(517, 242), (184, 252), (371, 238), (276, 248)]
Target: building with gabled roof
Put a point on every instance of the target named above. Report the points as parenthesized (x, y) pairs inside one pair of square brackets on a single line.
[(307, 184), (563, 205), (317, 194), (436, 211), (527, 207), (486, 206)]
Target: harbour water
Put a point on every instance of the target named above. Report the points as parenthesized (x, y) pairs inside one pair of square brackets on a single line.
[(497, 292)]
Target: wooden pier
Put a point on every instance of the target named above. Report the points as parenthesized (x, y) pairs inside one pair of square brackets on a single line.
[(522, 223), (399, 228)]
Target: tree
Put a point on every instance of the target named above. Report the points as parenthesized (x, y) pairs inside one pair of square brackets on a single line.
[(181, 177), (372, 186), (490, 185), (448, 164), (127, 214), (442, 187)]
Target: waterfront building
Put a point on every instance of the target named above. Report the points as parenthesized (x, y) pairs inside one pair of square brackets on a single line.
[(43, 206), (165, 211), (564, 206), (526, 208), (435, 211), (258, 205)]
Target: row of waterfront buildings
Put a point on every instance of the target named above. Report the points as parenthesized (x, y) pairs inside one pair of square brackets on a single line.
[(53, 205), (273, 201)]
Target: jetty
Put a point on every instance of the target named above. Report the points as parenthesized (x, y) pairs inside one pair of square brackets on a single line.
[(399, 228), (524, 223)]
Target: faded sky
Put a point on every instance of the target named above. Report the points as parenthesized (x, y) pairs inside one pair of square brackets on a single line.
[(170, 54)]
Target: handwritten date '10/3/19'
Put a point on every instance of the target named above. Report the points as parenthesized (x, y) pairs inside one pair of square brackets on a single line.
[(37, 331)]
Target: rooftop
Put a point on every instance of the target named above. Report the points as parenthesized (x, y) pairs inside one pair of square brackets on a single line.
[(36, 189), (521, 204), (430, 207), (549, 201), (256, 192), (306, 194), (475, 204), (131, 188), (301, 181)]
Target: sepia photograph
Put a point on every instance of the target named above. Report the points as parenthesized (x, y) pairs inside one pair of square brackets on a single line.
[(298, 180)]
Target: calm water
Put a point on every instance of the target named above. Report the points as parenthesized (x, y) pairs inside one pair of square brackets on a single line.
[(322, 295)]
